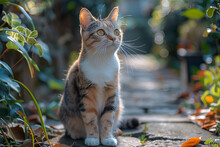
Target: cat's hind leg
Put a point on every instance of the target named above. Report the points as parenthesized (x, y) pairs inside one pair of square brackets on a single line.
[(75, 128)]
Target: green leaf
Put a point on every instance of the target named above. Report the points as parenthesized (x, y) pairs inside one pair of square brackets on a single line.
[(215, 91), (34, 34), (23, 51), (210, 11), (6, 79), (193, 13), (40, 50), (209, 141), (12, 19), (15, 20), (208, 78), (217, 60), (11, 45), (20, 38), (22, 10), (11, 32), (20, 29), (34, 64), (6, 18), (27, 32), (26, 15), (5, 65), (13, 109), (31, 40)]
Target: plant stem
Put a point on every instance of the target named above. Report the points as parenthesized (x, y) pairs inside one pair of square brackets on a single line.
[(3, 53)]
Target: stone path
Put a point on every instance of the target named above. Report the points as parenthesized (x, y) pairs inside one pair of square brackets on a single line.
[(149, 92)]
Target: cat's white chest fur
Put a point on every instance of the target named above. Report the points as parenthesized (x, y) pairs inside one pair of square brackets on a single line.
[(100, 71)]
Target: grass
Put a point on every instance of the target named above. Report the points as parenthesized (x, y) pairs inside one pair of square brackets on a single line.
[(27, 123), (5, 138), (38, 110)]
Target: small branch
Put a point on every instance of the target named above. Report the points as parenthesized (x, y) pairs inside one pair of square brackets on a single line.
[(21, 58), (17, 62), (3, 53)]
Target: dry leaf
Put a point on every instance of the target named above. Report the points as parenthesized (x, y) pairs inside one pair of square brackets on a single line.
[(60, 145), (52, 127), (184, 95), (207, 124), (197, 111), (194, 77), (34, 118), (32, 108), (191, 142), (201, 73), (210, 115), (18, 132), (26, 143), (197, 86), (39, 132)]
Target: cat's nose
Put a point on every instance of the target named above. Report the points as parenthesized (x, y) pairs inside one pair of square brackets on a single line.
[(111, 38)]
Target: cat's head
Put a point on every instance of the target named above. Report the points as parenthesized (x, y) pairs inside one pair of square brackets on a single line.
[(100, 36)]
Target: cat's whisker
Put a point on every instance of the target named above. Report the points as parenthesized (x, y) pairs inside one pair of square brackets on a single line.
[(132, 48), (122, 17), (128, 41), (100, 12), (127, 55)]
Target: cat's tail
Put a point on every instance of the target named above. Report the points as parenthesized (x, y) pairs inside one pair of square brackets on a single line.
[(130, 123)]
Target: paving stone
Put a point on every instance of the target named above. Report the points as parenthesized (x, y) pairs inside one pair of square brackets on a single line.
[(181, 131), (163, 118)]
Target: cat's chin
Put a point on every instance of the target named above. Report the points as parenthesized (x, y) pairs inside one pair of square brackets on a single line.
[(113, 47)]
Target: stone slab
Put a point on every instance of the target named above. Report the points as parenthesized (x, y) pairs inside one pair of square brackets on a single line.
[(177, 131), (159, 118)]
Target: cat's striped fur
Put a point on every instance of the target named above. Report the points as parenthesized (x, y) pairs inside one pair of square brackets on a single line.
[(90, 107)]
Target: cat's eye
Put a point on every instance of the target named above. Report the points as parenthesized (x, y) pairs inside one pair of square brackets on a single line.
[(116, 32), (101, 32)]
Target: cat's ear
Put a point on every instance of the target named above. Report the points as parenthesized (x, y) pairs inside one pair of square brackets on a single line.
[(85, 18), (113, 16)]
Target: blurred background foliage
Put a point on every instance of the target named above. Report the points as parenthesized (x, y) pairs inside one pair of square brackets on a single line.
[(170, 30)]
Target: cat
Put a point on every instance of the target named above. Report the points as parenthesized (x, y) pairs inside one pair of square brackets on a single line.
[(91, 106)]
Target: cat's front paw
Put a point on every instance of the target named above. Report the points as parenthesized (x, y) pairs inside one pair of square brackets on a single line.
[(92, 141), (109, 141)]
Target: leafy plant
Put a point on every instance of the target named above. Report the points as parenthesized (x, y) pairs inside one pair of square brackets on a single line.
[(143, 139), (212, 142), (211, 77), (211, 82), (15, 37), (21, 39)]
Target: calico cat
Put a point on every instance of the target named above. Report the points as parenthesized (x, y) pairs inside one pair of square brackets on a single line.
[(91, 106)]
